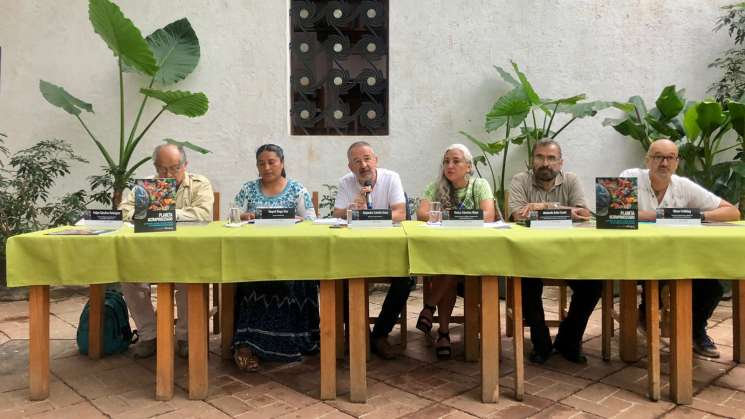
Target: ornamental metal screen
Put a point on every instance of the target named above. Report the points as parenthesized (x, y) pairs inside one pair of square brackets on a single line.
[(339, 67)]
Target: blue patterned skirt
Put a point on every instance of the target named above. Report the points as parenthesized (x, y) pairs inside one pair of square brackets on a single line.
[(278, 320)]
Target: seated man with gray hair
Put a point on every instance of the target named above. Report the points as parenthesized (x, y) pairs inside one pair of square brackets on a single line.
[(659, 187), (545, 186), (194, 199)]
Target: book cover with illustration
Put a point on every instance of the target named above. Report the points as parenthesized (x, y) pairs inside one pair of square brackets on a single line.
[(155, 205), (617, 202)]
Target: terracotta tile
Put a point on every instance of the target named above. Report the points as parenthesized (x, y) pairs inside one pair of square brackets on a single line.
[(685, 412), (383, 400), (318, 410), (606, 401), (470, 402), (560, 411), (734, 379), (433, 383), (231, 405), (82, 410), (547, 384)]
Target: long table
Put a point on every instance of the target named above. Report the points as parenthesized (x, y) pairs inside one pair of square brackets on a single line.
[(215, 254), (651, 253), (197, 255)]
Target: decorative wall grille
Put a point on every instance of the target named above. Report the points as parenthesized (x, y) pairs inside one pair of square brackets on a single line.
[(339, 67)]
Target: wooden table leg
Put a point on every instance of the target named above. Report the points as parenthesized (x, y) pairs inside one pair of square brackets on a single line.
[(164, 350), (358, 332), (216, 303), (198, 330), (738, 320), (328, 339), (227, 319), (681, 341), (517, 326), (629, 316), (471, 314), (508, 307), (95, 320), (489, 337), (38, 344), (339, 296), (653, 338), (606, 310)]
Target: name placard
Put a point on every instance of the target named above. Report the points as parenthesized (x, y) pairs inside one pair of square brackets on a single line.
[(275, 216), (371, 218), (103, 218), (678, 216), (551, 218), (464, 219)]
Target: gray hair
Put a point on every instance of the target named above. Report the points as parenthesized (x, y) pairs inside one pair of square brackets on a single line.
[(355, 145), (546, 142), (444, 191), (180, 148)]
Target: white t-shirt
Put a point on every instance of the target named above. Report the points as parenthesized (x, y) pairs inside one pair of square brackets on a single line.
[(682, 193), (387, 190)]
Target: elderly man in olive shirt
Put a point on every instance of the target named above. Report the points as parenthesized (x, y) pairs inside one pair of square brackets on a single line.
[(547, 186), (194, 198)]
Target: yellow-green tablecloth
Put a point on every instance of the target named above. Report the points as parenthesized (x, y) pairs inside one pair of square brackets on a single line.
[(652, 252), (206, 253)]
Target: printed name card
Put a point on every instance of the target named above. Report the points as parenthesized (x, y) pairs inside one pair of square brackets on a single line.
[(103, 218), (678, 216), (275, 216), (551, 218), (371, 218), (464, 219)]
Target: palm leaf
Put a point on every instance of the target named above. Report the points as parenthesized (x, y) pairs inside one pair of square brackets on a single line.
[(59, 97), (176, 49), (180, 102), (188, 145), (122, 36)]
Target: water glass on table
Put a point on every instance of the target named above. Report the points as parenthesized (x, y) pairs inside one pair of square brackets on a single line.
[(234, 216), (435, 213)]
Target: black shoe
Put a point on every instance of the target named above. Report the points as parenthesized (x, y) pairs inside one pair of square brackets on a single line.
[(574, 357), (539, 358), (704, 346)]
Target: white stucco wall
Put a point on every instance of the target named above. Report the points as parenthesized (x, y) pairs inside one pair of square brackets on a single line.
[(441, 78)]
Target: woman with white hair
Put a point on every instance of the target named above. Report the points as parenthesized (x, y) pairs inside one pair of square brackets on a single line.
[(455, 188)]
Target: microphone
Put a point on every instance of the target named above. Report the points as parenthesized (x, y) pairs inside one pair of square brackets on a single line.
[(368, 195)]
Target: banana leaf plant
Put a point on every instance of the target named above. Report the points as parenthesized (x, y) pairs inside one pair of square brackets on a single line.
[(701, 130), (526, 118), (165, 57)]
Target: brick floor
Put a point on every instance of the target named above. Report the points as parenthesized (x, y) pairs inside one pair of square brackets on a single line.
[(416, 385)]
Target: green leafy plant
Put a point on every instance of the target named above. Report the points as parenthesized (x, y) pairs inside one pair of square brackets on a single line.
[(165, 57), (526, 118), (699, 129), (26, 179), (731, 84)]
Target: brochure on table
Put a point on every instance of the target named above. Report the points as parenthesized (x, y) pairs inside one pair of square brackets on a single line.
[(617, 203), (155, 205)]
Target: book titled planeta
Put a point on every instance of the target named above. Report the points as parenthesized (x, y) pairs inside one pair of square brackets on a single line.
[(155, 205), (617, 202)]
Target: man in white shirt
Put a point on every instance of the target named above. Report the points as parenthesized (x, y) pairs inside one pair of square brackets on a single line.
[(659, 187), (386, 191)]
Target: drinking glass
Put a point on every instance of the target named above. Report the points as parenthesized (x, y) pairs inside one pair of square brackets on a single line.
[(435, 213), (235, 215)]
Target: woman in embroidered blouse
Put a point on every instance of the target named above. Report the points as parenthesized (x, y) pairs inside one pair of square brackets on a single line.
[(454, 189), (275, 320)]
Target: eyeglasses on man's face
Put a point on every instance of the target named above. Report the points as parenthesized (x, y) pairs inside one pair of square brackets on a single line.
[(658, 158), (162, 170), (540, 158)]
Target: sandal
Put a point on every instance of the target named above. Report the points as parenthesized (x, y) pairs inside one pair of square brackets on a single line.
[(426, 318), (443, 350), (245, 359)]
